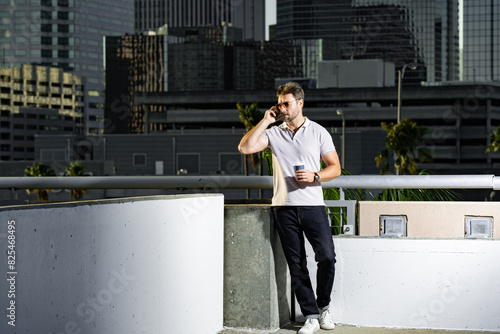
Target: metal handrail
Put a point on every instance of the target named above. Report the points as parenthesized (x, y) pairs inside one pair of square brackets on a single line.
[(248, 182)]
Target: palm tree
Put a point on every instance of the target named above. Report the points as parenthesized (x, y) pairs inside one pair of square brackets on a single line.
[(250, 116), (494, 146), (39, 170), (405, 139), (76, 169)]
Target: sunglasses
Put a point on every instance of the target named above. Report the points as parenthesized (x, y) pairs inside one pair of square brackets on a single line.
[(285, 104)]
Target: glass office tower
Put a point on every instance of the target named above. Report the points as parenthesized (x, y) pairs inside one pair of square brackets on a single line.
[(480, 40), (249, 15), (67, 34), (423, 32)]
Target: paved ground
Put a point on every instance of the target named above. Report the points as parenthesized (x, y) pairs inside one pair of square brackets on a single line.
[(293, 329)]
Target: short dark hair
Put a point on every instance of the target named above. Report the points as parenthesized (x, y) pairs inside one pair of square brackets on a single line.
[(291, 88)]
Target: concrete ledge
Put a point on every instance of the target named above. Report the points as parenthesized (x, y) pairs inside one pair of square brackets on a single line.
[(134, 265), (256, 280)]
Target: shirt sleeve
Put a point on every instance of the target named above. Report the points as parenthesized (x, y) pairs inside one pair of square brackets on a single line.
[(326, 142), (267, 134)]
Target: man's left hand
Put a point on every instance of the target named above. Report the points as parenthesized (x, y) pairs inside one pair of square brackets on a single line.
[(304, 175)]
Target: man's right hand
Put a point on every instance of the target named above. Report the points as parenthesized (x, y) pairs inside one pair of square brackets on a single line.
[(276, 112), (253, 141)]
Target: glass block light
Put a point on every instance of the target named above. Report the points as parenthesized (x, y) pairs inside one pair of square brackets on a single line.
[(392, 226), (478, 227)]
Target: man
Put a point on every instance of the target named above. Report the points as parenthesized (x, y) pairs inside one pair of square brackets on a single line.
[(298, 206)]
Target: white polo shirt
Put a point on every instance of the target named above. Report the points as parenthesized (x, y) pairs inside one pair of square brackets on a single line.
[(307, 145)]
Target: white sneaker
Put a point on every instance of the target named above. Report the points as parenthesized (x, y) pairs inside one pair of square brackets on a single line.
[(311, 326), (325, 320)]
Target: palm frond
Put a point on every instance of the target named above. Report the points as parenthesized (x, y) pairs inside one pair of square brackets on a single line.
[(418, 194)]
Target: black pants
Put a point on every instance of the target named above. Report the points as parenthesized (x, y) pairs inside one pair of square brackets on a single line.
[(292, 222)]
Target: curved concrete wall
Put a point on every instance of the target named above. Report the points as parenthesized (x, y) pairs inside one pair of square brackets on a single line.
[(135, 265)]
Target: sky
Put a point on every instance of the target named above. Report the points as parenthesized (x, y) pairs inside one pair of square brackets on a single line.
[(270, 15)]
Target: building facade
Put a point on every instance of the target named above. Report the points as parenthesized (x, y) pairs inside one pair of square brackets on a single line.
[(205, 129), (135, 64), (248, 15), (481, 40), (197, 59), (459, 117), (37, 100), (400, 31), (67, 34), (313, 19)]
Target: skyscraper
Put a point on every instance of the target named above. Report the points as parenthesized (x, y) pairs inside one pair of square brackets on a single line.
[(313, 19), (481, 40), (134, 64), (67, 34), (247, 15), (193, 59), (38, 100), (423, 32)]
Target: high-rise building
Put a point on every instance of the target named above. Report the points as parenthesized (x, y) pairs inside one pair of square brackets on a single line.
[(249, 15), (38, 100), (481, 40), (400, 31), (313, 19), (67, 34), (134, 64), (193, 59)]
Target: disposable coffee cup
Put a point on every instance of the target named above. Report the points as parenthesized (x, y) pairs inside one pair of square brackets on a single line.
[(298, 165)]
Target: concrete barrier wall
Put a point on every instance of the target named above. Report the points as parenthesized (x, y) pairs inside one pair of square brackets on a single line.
[(149, 264), (416, 283), (427, 219), (431, 283), (135, 265), (256, 280)]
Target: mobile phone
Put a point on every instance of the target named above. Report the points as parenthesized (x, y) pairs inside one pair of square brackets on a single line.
[(277, 112)]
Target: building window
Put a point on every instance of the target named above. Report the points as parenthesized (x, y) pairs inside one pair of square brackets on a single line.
[(188, 163), (63, 41), (62, 28), (62, 15), (46, 28), (47, 53), (46, 15), (230, 164), (46, 40), (139, 159), (63, 53)]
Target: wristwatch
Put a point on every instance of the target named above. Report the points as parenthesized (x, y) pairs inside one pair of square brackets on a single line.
[(316, 177)]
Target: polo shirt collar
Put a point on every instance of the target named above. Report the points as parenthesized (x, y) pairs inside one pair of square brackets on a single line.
[(285, 126)]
